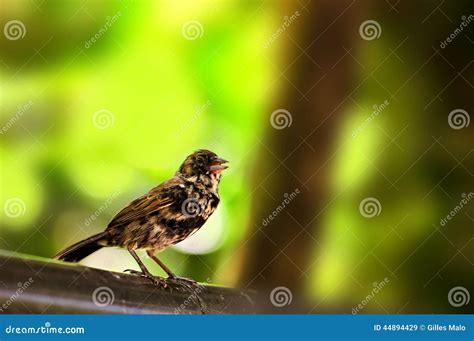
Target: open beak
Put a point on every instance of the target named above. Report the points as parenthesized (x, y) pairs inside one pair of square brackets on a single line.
[(218, 165)]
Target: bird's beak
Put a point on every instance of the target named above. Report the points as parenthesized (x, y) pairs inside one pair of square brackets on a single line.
[(218, 165)]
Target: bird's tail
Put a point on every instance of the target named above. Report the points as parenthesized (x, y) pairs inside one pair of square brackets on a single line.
[(82, 249)]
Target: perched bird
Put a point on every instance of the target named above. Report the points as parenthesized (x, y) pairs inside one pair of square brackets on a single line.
[(166, 215)]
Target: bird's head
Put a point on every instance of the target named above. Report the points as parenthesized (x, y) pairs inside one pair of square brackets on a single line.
[(202, 164)]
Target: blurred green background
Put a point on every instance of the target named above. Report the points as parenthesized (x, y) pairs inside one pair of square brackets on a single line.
[(100, 101)]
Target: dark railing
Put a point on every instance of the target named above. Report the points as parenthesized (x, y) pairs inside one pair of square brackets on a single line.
[(37, 285)]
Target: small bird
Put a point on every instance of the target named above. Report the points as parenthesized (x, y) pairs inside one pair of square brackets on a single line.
[(166, 215)]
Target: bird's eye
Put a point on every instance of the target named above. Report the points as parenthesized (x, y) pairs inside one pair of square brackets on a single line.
[(200, 160)]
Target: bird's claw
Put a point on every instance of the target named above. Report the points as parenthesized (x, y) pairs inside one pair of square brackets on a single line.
[(187, 282), (194, 287), (181, 279), (156, 280)]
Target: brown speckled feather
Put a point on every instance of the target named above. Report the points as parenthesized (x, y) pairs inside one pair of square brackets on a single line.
[(152, 202)]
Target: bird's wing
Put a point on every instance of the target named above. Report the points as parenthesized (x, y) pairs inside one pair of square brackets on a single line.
[(157, 199)]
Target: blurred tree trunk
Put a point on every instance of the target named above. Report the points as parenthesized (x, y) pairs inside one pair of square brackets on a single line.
[(431, 171), (317, 81)]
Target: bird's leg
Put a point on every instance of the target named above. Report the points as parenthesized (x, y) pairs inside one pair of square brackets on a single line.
[(194, 287), (160, 263), (145, 272), (171, 275)]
